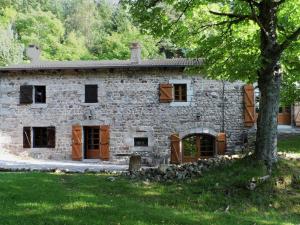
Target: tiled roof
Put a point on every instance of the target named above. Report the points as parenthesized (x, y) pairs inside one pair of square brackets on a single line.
[(104, 64)]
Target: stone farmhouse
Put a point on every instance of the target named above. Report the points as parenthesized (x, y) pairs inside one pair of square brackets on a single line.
[(109, 110)]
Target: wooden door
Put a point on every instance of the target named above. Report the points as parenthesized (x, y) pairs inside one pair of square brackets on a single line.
[(92, 147), (284, 115), (104, 142)]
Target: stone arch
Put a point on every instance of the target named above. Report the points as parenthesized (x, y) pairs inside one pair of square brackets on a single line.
[(199, 130)]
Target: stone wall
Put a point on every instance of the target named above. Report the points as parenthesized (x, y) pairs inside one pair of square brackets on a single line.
[(128, 102)]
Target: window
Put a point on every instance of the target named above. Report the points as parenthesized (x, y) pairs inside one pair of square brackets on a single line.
[(40, 94), (91, 93), (42, 137), (32, 94), (180, 92), (140, 141)]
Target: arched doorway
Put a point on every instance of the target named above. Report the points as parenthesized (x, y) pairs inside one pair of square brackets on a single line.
[(195, 146)]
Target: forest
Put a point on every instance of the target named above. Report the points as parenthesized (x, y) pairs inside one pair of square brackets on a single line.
[(69, 30)]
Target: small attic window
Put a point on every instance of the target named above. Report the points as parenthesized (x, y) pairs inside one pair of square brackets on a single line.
[(140, 142)]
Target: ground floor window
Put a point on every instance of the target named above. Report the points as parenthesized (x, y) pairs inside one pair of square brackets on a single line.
[(39, 137), (196, 146)]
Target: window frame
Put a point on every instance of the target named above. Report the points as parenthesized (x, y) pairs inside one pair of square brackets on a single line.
[(189, 92), (137, 140), (86, 98)]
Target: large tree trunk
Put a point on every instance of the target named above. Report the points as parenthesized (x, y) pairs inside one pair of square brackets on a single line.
[(269, 80)]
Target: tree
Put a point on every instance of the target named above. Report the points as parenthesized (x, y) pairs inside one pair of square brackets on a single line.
[(11, 51), (252, 40)]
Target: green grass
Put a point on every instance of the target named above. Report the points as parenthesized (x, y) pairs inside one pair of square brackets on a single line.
[(290, 144), (44, 198)]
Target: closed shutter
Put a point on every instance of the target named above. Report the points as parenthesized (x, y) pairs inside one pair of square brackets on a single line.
[(51, 137), (91, 93), (104, 142), (165, 93), (26, 137), (249, 108), (297, 114), (221, 143), (26, 94), (175, 149), (76, 142)]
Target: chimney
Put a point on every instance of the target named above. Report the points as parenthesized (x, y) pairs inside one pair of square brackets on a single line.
[(136, 56), (33, 52)]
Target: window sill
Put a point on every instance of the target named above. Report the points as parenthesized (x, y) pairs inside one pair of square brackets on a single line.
[(180, 104), (39, 105)]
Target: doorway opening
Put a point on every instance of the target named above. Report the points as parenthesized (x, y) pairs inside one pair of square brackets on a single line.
[(91, 142)]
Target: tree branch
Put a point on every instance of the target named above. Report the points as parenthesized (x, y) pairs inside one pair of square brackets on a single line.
[(289, 39), (231, 15)]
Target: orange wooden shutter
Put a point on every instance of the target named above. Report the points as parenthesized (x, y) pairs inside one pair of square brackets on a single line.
[(297, 115), (104, 142), (76, 142), (249, 108), (165, 93), (221, 142), (175, 149)]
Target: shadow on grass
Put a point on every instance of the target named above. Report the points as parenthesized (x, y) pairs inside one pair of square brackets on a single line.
[(36, 198)]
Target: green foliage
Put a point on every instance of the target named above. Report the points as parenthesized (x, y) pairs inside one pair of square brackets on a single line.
[(41, 28), (231, 49), (73, 29), (11, 51)]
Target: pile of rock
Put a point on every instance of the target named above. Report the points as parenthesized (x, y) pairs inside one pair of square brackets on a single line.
[(169, 173)]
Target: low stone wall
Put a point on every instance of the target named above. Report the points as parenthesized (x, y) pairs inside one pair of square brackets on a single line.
[(170, 173)]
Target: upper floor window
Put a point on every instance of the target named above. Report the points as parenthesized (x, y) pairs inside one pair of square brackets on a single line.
[(180, 92), (91, 93), (176, 92), (32, 94)]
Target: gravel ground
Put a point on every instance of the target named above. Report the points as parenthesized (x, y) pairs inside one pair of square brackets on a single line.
[(15, 163)]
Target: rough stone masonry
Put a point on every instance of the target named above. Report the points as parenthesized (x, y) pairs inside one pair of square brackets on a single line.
[(128, 101)]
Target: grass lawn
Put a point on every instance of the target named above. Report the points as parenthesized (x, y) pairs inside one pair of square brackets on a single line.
[(291, 144), (43, 198)]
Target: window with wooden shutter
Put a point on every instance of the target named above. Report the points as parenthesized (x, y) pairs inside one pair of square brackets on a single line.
[(165, 93), (104, 142), (175, 149), (76, 142), (26, 137), (91, 93), (249, 108), (221, 143), (26, 94), (51, 137)]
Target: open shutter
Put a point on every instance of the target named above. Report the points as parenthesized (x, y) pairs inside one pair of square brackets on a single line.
[(51, 137), (104, 142), (249, 109), (297, 115), (91, 93), (76, 142), (26, 94), (175, 149), (26, 137), (221, 142), (165, 93)]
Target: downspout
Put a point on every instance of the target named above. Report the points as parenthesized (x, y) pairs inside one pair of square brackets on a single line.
[(223, 107)]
